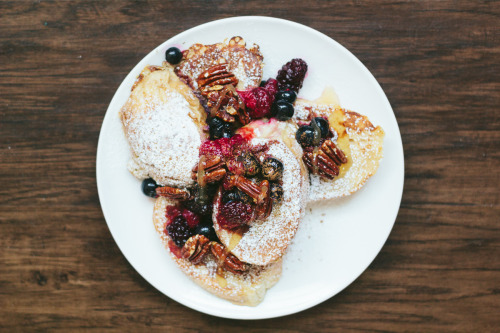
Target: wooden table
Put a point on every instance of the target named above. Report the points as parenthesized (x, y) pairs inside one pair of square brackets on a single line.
[(60, 64)]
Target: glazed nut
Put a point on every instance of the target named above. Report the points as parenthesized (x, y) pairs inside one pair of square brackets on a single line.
[(215, 78), (229, 260), (326, 161), (195, 248), (246, 186), (173, 193), (264, 209), (331, 149)]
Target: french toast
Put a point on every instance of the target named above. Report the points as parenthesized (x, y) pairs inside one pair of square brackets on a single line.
[(266, 240), (248, 288), (358, 139), (245, 63), (163, 121)]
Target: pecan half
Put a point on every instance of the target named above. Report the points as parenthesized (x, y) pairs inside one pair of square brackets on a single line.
[(264, 209), (246, 186), (228, 260), (173, 193), (215, 78), (195, 248), (217, 85), (213, 169), (326, 161)]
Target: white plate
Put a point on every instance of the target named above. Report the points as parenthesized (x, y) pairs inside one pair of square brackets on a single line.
[(334, 244)]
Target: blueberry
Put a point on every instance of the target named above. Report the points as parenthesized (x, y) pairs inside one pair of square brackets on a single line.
[(323, 125), (287, 95), (149, 187), (305, 136), (283, 110), (230, 196), (173, 55), (219, 129), (206, 230), (250, 164), (272, 169), (276, 192), (262, 83)]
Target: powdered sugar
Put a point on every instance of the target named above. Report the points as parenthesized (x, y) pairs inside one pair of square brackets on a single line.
[(163, 137)]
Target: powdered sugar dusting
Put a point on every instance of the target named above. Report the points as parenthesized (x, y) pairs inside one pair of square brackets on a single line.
[(267, 240), (245, 289), (163, 137)]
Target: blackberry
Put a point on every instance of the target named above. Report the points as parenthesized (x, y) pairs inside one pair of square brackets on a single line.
[(291, 75), (179, 231)]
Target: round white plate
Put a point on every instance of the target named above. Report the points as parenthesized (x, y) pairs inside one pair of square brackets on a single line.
[(334, 244)]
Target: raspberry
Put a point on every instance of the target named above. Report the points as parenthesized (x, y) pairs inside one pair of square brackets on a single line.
[(291, 75), (191, 218), (179, 231), (234, 214), (223, 147), (271, 86), (259, 100), (171, 213)]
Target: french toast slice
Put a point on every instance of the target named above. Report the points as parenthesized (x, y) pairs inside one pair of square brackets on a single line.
[(359, 140), (163, 120), (248, 288), (266, 240), (245, 63)]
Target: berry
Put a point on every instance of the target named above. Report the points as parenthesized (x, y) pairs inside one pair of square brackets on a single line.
[(283, 110), (191, 218), (259, 100), (173, 55), (223, 147), (201, 204), (322, 124), (272, 169), (234, 214), (149, 187), (271, 87), (206, 230), (230, 196), (276, 192), (179, 231), (286, 95), (262, 83), (291, 75), (219, 129), (250, 164), (305, 136)]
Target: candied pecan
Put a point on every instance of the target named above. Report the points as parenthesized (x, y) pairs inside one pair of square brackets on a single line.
[(228, 260), (195, 248), (213, 169), (246, 186), (326, 161), (173, 193), (264, 209)]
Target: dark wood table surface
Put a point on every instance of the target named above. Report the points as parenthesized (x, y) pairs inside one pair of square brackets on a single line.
[(60, 64)]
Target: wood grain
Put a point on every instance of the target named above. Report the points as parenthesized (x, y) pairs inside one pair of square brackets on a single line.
[(60, 64)]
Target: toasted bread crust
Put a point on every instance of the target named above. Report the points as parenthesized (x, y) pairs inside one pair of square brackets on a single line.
[(364, 149), (247, 289), (245, 63)]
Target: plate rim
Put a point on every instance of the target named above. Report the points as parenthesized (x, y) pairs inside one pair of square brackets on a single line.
[(306, 305)]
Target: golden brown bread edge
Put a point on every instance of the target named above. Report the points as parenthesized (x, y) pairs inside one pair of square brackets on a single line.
[(245, 289)]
